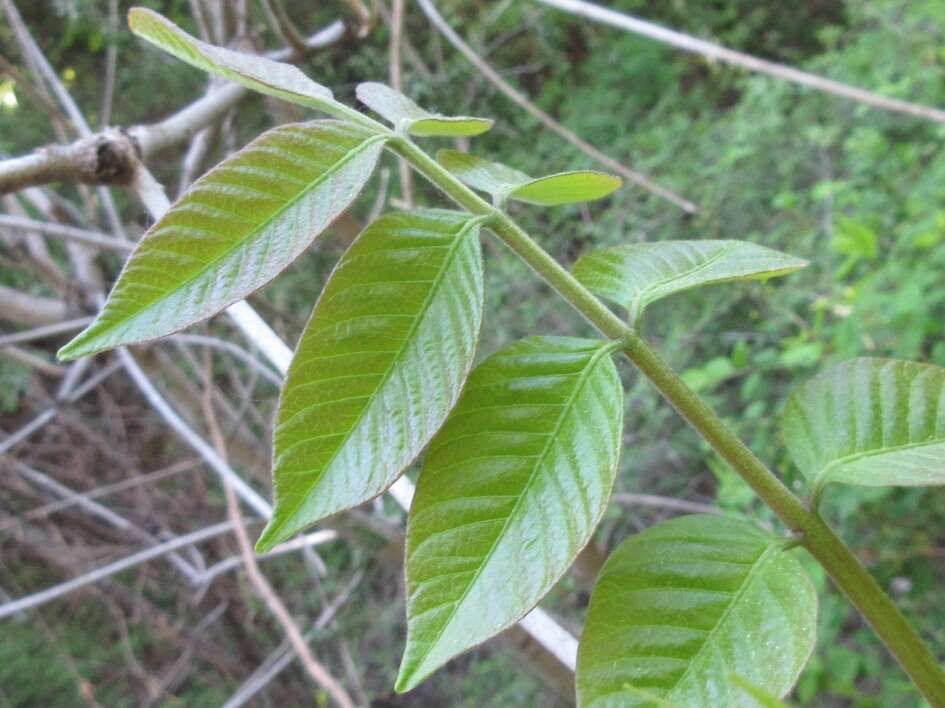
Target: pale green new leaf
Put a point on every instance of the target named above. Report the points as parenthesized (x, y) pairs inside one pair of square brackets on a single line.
[(407, 116), (379, 366), (685, 604), (870, 422), (503, 182), (761, 698), (236, 229), (257, 73), (510, 492), (635, 275)]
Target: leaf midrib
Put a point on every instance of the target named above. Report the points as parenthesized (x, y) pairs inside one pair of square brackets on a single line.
[(824, 475), (540, 460), (350, 155), (643, 297), (471, 223), (756, 568)]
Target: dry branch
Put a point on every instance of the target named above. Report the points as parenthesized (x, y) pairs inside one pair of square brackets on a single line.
[(741, 60), (106, 571), (110, 157), (273, 602), (491, 75)]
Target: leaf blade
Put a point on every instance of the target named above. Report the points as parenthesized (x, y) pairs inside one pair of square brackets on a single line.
[(567, 188), (404, 114), (379, 366), (513, 487), (257, 73), (870, 422), (237, 228), (636, 275), (688, 602), (504, 182)]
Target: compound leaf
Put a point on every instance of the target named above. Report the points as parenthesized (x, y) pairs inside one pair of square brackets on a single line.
[(870, 422), (511, 490), (405, 115), (238, 227), (687, 603), (503, 182), (379, 366), (635, 275), (257, 73)]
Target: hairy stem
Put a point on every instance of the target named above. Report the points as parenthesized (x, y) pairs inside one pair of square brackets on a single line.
[(819, 539)]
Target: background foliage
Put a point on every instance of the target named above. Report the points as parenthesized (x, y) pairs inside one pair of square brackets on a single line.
[(857, 192)]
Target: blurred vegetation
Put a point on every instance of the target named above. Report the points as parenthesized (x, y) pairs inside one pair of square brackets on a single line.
[(858, 192)]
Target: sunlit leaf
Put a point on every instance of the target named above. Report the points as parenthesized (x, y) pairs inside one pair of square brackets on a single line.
[(503, 182), (637, 274), (510, 492), (761, 698), (258, 73), (237, 228), (870, 422), (381, 363), (407, 116), (685, 604)]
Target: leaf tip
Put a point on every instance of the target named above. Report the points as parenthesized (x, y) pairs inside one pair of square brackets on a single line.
[(408, 677), (137, 16), (272, 536), (77, 347)]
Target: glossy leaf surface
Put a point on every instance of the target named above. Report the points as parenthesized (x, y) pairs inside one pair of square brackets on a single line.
[(635, 275), (870, 422), (685, 604), (236, 228), (503, 182), (511, 490), (379, 366), (405, 115), (257, 73)]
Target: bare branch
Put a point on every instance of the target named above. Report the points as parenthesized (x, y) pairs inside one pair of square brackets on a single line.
[(29, 47), (109, 157), (34, 310), (71, 233), (209, 455), (658, 502), (282, 25), (111, 63), (396, 82), (34, 361), (283, 655), (554, 126), (232, 349), (277, 608), (744, 61), (78, 498), (310, 540), (66, 394), (106, 571), (105, 514), (410, 51)]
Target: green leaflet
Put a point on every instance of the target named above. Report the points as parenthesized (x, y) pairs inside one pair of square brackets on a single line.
[(379, 366), (762, 698), (870, 422), (258, 73), (405, 115), (236, 229), (635, 275), (511, 490), (685, 604), (503, 182)]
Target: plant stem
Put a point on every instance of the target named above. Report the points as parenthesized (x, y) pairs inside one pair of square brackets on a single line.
[(839, 561)]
